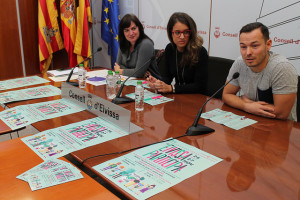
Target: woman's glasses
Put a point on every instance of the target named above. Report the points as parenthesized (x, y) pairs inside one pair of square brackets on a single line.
[(186, 33)]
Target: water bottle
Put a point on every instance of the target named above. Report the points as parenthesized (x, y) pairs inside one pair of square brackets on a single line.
[(81, 76), (139, 96), (118, 80), (110, 85)]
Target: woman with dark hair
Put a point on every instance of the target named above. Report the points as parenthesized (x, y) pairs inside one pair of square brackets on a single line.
[(136, 49), (186, 58)]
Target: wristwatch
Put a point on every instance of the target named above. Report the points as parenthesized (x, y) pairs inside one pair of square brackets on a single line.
[(173, 88)]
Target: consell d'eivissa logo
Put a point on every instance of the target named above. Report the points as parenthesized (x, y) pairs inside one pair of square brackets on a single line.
[(285, 41), (89, 102), (217, 33)]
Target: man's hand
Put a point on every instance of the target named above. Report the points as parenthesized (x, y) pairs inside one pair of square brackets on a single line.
[(260, 108)]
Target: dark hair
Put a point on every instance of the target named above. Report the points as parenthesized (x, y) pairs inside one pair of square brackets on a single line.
[(125, 23), (255, 25), (190, 54)]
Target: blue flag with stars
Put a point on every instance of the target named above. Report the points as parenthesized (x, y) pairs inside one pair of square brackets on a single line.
[(110, 26)]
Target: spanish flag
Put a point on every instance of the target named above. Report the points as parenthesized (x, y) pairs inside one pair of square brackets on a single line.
[(49, 36), (82, 43), (68, 26)]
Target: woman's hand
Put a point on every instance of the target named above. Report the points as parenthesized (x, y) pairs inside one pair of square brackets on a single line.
[(161, 86), (117, 68), (150, 82)]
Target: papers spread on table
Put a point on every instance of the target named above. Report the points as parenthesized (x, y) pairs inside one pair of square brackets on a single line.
[(21, 116), (64, 72), (60, 141), (97, 77), (134, 83), (29, 93), (49, 173), (21, 82), (152, 98), (228, 119), (153, 169)]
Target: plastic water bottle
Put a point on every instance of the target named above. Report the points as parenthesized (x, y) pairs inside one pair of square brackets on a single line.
[(81, 76), (110, 85), (118, 80), (139, 96)]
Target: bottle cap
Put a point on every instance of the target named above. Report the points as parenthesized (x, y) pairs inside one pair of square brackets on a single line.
[(139, 82), (117, 72), (81, 65), (110, 72)]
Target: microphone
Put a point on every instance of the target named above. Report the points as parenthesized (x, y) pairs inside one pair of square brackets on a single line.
[(198, 129), (121, 100), (71, 72)]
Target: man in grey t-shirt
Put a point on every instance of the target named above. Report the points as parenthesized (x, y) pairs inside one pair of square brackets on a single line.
[(267, 81)]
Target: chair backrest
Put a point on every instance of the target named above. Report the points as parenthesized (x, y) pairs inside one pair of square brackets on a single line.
[(298, 101), (218, 69)]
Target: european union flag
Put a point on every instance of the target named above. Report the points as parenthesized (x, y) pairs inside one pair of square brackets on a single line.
[(110, 26)]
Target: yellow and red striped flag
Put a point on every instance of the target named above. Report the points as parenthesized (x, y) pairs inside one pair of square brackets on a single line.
[(82, 44), (68, 25), (49, 36)]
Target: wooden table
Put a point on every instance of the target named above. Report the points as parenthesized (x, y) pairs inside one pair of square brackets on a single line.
[(17, 158), (260, 161)]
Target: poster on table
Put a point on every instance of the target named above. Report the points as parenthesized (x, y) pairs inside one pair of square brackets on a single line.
[(21, 82), (21, 116), (153, 169), (60, 141), (29, 93)]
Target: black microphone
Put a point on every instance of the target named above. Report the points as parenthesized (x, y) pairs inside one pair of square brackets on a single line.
[(71, 72), (198, 129), (120, 100)]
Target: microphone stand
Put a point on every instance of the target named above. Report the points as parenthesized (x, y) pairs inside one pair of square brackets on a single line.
[(121, 100), (71, 72), (198, 129)]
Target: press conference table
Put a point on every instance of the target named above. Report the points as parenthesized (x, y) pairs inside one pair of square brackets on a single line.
[(261, 161)]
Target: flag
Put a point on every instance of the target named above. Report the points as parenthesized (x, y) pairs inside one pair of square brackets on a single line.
[(110, 20), (82, 43), (49, 36), (68, 25)]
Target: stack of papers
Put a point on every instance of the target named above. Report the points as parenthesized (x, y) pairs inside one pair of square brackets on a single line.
[(228, 119), (64, 72), (49, 173)]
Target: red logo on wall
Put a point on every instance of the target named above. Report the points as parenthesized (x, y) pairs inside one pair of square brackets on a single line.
[(217, 32)]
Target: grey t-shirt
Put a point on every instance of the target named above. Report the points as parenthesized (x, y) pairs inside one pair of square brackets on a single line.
[(279, 76), (130, 62)]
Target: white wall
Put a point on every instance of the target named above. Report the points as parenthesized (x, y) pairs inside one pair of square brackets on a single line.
[(218, 22)]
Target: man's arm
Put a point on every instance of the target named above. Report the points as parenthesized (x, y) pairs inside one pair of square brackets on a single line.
[(254, 107), (283, 104)]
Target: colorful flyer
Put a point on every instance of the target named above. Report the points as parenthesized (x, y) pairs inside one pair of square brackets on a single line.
[(21, 116), (29, 93), (49, 173), (60, 141), (228, 119), (21, 82), (134, 83), (153, 169), (152, 98)]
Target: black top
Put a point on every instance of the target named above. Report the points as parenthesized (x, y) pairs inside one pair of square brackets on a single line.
[(188, 79)]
